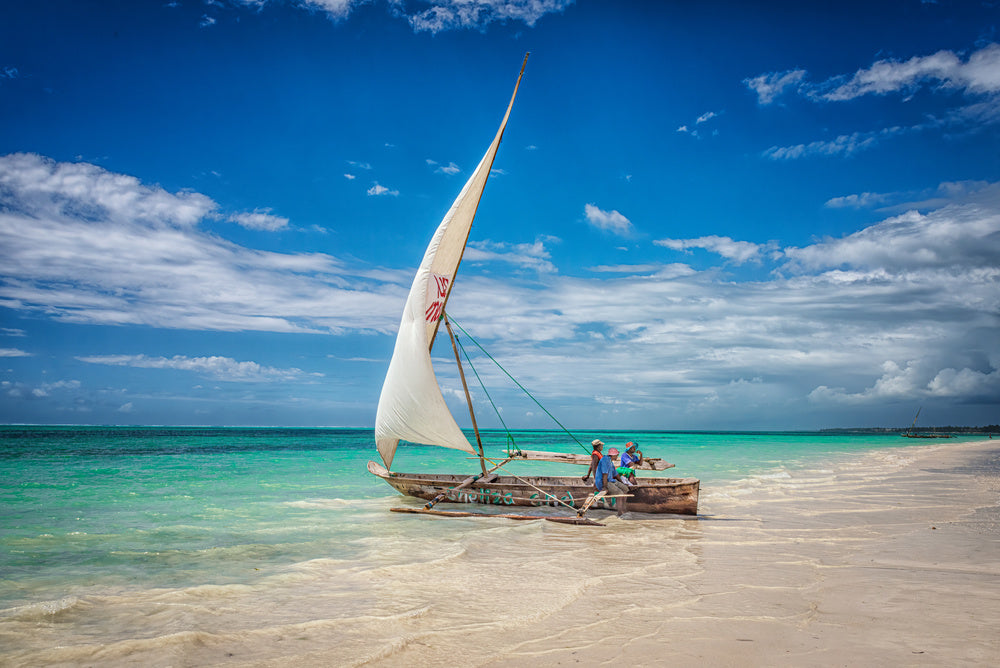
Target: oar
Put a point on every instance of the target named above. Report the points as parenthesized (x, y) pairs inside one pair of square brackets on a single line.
[(507, 516)]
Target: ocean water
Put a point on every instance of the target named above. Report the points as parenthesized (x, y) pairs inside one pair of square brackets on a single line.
[(173, 546)]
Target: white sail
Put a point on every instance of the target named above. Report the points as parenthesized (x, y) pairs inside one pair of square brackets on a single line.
[(411, 406)]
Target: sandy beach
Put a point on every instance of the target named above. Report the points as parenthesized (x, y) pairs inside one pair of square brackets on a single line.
[(892, 562), (897, 567), (887, 558)]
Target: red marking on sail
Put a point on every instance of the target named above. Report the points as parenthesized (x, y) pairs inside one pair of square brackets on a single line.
[(438, 292)]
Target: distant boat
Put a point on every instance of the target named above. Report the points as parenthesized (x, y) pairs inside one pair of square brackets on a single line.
[(412, 408), (910, 434)]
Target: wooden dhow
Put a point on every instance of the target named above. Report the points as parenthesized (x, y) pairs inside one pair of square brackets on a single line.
[(412, 408)]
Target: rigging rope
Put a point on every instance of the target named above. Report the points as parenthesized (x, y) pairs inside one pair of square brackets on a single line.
[(514, 380), (510, 437)]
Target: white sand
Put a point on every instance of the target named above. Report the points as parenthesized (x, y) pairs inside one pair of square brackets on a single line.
[(897, 569)]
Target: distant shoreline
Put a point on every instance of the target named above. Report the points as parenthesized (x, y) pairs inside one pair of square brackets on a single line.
[(972, 431), (989, 429)]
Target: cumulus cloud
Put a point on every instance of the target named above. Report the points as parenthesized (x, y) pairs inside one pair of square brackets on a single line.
[(260, 219), (377, 190), (335, 9), (82, 244), (608, 221), (41, 187), (919, 381), (965, 236), (215, 367), (855, 201), (436, 16), (737, 251), (445, 15), (944, 70), (449, 169), (904, 309), (532, 256), (842, 145), (769, 87), (977, 78), (980, 73)]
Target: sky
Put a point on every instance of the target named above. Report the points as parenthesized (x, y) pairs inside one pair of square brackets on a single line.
[(704, 215)]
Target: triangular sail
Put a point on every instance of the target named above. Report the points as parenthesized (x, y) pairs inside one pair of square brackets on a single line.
[(411, 406)]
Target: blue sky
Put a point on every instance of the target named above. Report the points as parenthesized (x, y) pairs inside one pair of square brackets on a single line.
[(703, 215)]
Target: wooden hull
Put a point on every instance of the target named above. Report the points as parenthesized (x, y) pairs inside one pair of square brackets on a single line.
[(651, 495)]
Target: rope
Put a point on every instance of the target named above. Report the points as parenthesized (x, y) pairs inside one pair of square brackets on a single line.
[(510, 437), (514, 380)]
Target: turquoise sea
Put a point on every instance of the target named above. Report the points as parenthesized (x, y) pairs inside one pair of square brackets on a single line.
[(101, 525)]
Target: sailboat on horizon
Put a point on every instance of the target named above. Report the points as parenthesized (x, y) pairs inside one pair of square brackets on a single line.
[(412, 408)]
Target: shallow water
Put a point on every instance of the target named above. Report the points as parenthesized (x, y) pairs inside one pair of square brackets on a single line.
[(166, 546)]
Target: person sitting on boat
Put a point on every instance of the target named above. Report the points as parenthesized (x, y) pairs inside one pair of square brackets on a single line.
[(595, 457), (631, 455), (606, 479)]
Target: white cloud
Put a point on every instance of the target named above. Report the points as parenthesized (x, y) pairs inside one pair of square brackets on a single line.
[(770, 86), (704, 118), (450, 168), (82, 244), (979, 74), (737, 251), (445, 15), (377, 190), (672, 346), (841, 145), (88, 192), (215, 367), (966, 236), (918, 381), (532, 256), (350, 177), (977, 77), (861, 201), (431, 15), (13, 352), (609, 221), (335, 9), (260, 219)]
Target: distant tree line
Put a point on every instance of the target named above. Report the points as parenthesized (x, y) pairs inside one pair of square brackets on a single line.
[(988, 429)]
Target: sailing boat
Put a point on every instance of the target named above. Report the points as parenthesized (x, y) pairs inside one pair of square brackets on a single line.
[(412, 408), (909, 432)]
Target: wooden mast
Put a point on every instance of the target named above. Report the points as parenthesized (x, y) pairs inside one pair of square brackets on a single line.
[(468, 397)]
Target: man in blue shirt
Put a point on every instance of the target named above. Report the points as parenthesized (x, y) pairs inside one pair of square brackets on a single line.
[(631, 456), (606, 478)]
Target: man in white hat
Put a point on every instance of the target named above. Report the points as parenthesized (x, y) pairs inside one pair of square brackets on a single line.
[(606, 478), (595, 457)]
